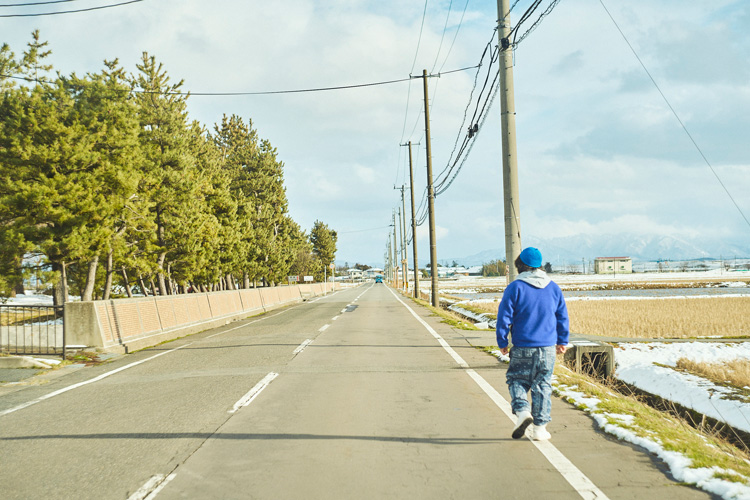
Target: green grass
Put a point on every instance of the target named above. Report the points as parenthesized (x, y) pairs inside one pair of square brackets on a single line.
[(672, 433)]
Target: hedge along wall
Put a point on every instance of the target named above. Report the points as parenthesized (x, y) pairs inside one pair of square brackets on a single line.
[(126, 325)]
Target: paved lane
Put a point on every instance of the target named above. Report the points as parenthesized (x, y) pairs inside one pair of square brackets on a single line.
[(350, 396)]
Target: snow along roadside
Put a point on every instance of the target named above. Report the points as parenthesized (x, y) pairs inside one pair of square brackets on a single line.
[(679, 465)]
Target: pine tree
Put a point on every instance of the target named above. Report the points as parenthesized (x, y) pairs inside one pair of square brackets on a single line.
[(169, 177), (323, 242)]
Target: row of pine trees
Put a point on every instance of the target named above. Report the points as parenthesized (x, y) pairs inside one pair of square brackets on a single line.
[(107, 178)]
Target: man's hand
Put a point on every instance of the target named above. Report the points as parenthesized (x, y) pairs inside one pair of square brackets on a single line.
[(504, 350), (561, 349)]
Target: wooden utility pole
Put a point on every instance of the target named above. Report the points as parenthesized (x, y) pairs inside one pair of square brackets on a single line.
[(395, 253), (508, 128), (404, 246), (413, 226), (430, 196)]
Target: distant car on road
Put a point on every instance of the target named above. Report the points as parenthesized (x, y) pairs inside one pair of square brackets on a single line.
[(378, 279)]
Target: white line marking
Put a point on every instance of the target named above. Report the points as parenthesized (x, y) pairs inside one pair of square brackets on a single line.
[(577, 479), (86, 382), (147, 488), (343, 310), (253, 393), (302, 346), (323, 328), (153, 486), (334, 318)]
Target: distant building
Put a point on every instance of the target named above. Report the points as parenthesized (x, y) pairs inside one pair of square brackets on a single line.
[(613, 265)]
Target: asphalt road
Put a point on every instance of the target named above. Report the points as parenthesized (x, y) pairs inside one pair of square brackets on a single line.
[(360, 394)]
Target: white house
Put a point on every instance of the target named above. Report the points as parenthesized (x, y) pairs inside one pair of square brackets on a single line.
[(613, 265)]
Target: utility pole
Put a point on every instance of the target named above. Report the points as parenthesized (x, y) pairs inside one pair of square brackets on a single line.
[(404, 246), (413, 226), (430, 196), (508, 128), (395, 253)]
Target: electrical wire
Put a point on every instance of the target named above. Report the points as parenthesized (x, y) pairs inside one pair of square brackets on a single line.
[(71, 11), (270, 92), (411, 72), (442, 177), (35, 3), (442, 37), (679, 120), (458, 28)]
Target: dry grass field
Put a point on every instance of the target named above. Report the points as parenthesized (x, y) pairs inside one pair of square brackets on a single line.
[(736, 372), (673, 318)]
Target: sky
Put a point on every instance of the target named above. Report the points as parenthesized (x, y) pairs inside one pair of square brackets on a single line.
[(600, 152)]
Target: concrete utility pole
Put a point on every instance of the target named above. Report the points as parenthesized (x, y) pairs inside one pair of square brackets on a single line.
[(508, 128), (430, 195), (413, 226)]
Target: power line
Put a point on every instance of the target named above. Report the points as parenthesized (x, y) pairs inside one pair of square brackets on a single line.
[(458, 28), (440, 45), (71, 11), (268, 92), (35, 3), (473, 129), (408, 91), (684, 128)]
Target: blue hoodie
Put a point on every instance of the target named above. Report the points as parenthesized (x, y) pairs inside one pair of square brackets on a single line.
[(534, 308)]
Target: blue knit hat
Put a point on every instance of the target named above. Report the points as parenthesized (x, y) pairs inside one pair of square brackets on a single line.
[(532, 257)]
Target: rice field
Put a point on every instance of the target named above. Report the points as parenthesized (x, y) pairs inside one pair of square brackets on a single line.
[(644, 318)]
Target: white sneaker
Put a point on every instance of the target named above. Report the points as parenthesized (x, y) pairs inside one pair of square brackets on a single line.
[(524, 420), (540, 433)]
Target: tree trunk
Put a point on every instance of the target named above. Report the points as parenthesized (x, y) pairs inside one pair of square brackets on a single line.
[(88, 288), (160, 274), (108, 280), (60, 293), (142, 284), (245, 280), (230, 282), (153, 286), (125, 282)]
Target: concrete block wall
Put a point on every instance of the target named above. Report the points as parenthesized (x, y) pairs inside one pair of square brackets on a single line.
[(126, 325)]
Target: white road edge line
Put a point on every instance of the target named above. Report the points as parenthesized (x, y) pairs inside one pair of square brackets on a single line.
[(86, 382), (253, 393), (577, 479), (323, 328), (302, 346), (334, 318)]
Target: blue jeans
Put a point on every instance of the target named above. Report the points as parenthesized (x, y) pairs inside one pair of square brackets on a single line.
[(530, 369)]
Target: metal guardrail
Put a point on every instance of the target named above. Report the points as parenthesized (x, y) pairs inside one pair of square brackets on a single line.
[(32, 330)]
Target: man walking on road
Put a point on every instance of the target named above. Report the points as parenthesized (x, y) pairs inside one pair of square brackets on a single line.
[(533, 312)]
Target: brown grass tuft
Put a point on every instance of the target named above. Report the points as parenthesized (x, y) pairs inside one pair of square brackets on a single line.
[(736, 372)]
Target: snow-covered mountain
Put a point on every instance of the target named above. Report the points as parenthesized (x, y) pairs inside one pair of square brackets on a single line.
[(639, 248)]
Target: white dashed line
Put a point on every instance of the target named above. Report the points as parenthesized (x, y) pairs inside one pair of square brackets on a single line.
[(323, 328), (152, 487), (253, 393), (302, 346)]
